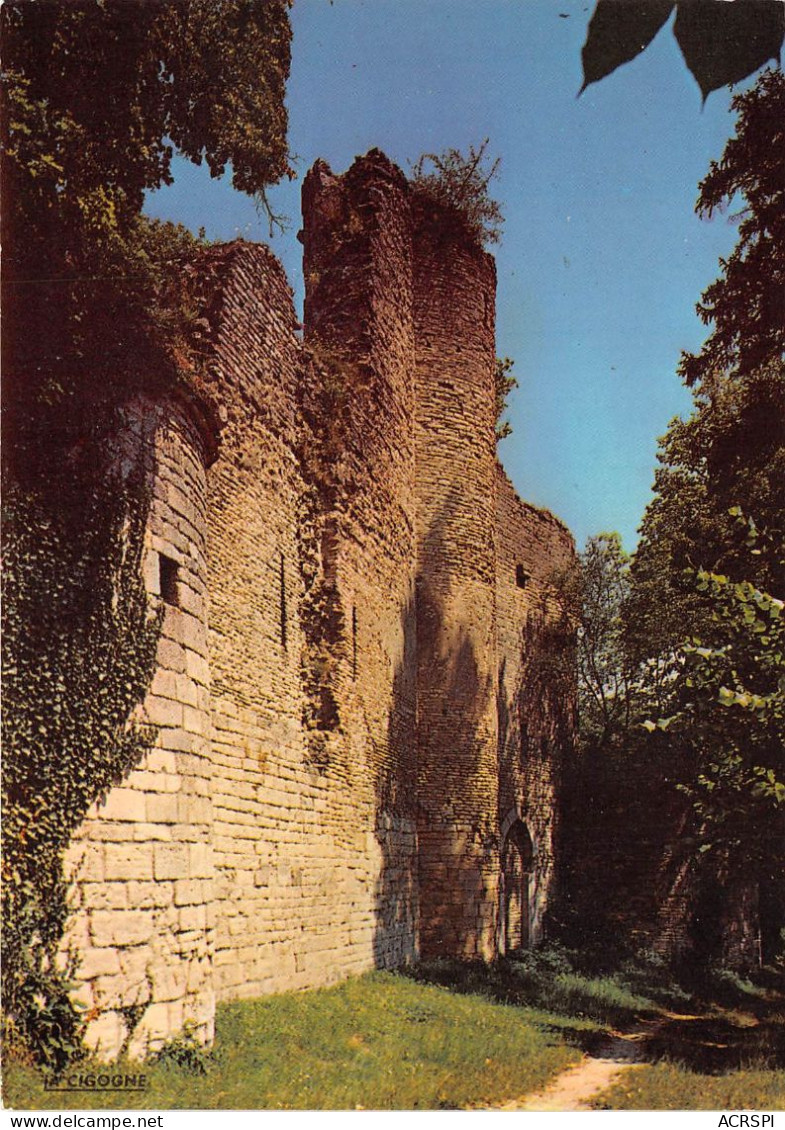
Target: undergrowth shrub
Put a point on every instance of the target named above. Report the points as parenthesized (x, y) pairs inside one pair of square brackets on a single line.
[(547, 977), (183, 1052), (459, 185), (550, 959)]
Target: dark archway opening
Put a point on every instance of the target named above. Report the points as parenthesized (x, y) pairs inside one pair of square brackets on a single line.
[(516, 874)]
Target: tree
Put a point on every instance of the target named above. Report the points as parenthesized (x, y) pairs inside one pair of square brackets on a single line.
[(97, 95), (709, 576), (722, 42), (745, 304), (97, 90), (726, 716), (731, 450), (728, 702), (605, 674), (618, 801), (460, 184)]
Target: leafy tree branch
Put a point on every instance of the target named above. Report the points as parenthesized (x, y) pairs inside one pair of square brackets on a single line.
[(461, 184)]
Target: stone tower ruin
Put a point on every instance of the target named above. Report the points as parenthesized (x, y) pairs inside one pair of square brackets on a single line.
[(365, 689)]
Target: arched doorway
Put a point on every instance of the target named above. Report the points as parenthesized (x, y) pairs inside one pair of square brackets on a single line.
[(515, 888)]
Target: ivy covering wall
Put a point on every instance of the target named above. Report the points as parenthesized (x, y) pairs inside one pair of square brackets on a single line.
[(79, 643)]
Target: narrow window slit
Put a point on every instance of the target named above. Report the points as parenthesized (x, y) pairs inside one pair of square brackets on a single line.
[(169, 575), (521, 577)]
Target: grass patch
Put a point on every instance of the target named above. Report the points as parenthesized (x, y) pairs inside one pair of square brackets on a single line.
[(380, 1042), (668, 1086), (450, 1035), (546, 980), (724, 1051), (719, 1045)]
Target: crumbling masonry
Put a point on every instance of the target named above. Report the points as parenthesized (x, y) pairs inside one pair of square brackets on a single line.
[(364, 690)]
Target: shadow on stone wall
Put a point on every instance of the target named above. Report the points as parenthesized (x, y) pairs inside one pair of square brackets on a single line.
[(536, 727), (396, 894), (456, 809), (435, 819), (536, 715)]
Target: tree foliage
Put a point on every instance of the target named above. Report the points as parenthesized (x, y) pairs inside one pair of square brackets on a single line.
[(728, 452), (504, 383), (97, 95), (460, 184), (722, 41), (725, 715), (708, 578), (745, 305), (618, 801), (98, 90), (731, 450), (605, 675), (727, 697)]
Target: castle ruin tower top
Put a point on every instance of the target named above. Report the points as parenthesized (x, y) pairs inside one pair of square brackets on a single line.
[(454, 297)]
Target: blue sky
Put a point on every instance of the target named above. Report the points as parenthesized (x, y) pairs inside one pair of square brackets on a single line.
[(602, 258)]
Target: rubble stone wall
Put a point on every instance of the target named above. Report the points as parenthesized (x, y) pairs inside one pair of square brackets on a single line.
[(356, 699), (535, 685), (359, 334), (454, 303), (144, 909)]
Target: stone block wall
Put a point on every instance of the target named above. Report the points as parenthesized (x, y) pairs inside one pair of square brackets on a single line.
[(535, 688), (144, 909), (359, 335), (294, 882), (454, 303), (254, 493), (358, 704)]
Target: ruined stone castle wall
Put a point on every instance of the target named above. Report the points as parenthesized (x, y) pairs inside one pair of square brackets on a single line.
[(143, 898), (454, 303), (359, 336), (359, 704), (263, 800), (536, 687), (294, 881)]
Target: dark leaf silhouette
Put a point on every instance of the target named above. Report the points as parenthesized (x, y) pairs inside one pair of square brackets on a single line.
[(620, 30), (724, 42)]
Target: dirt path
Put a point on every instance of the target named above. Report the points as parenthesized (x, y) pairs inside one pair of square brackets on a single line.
[(709, 1041), (573, 1089)]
